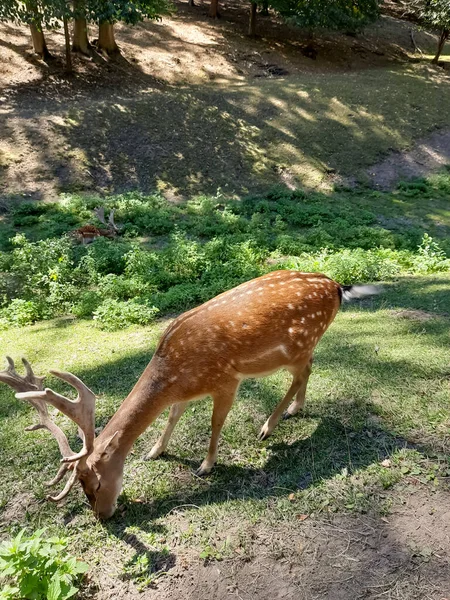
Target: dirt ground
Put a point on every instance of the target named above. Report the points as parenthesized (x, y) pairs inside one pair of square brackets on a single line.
[(427, 156), (145, 122), (404, 555)]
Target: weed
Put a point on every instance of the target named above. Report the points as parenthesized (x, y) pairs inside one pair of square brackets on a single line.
[(38, 568)]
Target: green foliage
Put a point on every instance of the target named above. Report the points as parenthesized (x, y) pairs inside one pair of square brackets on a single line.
[(49, 13), (191, 252), (20, 313), (344, 15), (435, 13), (113, 314), (38, 568)]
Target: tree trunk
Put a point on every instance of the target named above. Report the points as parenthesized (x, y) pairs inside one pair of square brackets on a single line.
[(252, 23), (191, 3), (444, 36), (214, 9), (39, 45), (80, 42), (106, 40), (67, 39), (265, 8)]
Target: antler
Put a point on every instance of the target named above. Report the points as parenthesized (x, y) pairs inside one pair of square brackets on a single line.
[(33, 383), (99, 212), (81, 410), (111, 221)]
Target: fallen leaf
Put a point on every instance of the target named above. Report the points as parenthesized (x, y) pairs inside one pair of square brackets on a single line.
[(291, 497), (386, 463), (302, 517)]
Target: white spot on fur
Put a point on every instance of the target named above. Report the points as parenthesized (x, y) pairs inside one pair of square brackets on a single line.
[(291, 306), (291, 330)]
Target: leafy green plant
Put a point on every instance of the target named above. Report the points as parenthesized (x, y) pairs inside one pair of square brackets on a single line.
[(38, 568), (113, 314), (20, 313)]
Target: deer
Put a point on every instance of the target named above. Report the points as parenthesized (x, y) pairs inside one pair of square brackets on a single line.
[(269, 323), (89, 233)]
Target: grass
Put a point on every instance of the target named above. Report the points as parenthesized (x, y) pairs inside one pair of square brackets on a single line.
[(378, 391)]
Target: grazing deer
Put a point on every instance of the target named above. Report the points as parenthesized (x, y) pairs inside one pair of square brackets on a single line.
[(266, 324), (88, 233)]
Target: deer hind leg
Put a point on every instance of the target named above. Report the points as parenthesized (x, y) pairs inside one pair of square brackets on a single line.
[(222, 404), (298, 386), (299, 401), (175, 413)]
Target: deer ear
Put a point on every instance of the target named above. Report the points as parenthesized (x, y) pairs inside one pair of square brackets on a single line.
[(103, 451)]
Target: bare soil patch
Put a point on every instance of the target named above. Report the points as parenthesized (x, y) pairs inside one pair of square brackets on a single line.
[(426, 157), (404, 555)]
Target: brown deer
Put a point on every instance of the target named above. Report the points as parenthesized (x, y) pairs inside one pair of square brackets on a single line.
[(266, 324), (89, 233)]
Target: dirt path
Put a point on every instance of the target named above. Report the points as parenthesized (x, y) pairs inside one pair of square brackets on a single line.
[(428, 155), (404, 555)]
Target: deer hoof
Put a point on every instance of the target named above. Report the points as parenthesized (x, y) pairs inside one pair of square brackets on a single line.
[(153, 454), (203, 471), (264, 433)]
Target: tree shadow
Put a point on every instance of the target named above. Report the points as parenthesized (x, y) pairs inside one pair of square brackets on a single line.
[(123, 131)]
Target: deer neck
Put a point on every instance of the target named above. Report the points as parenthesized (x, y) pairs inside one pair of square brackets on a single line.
[(141, 407)]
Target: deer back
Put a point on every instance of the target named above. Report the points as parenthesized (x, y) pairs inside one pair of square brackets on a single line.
[(268, 323)]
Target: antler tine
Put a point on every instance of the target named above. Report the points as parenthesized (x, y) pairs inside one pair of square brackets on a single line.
[(16, 381), (100, 214), (69, 485), (81, 410), (111, 221)]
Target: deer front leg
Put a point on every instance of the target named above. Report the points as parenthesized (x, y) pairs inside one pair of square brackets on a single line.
[(298, 386), (222, 404), (175, 413)]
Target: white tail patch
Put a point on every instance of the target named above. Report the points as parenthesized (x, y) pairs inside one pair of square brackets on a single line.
[(360, 291)]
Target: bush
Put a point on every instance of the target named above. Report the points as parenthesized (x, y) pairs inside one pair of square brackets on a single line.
[(38, 568), (212, 245), (20, 313), (112, 314)]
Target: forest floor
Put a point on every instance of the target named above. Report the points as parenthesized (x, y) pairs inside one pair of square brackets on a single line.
[(195, 105)]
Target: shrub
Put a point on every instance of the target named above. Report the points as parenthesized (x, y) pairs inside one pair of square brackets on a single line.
[(431, 258), (38, 568), (20, 313), (112, 314)]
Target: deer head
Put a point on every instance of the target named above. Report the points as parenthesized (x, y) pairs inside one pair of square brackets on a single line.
[(101, 486)]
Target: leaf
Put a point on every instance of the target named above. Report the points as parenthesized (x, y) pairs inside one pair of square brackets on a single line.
[(386, 463), (302, 517), (68, 591), (81, 567), (291, 497), (54, 589)]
